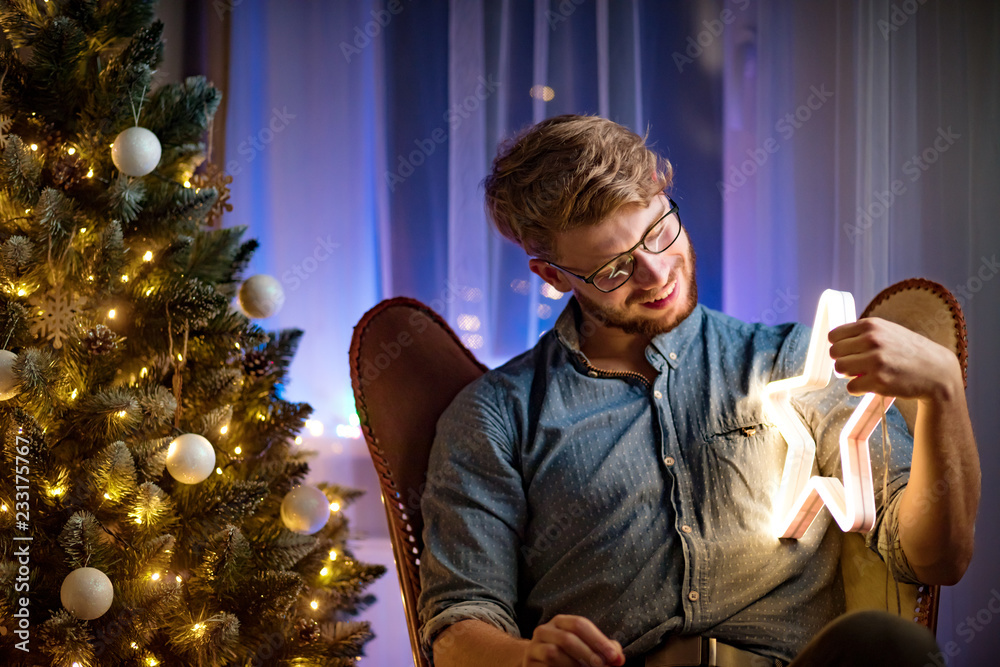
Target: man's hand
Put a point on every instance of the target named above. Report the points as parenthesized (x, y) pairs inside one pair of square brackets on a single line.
[(890, 360), (570, 641)]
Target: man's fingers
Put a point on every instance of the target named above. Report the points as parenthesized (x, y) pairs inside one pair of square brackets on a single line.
[(591, 635), (556, 643)]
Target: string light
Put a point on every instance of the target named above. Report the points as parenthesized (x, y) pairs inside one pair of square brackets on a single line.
[(314, 604), (155, 576), (187, 184), (124, 278), (335, 506), (218, 471), (298, 440), (22, 291), (149, 291), (179, 357), (148, 257), (224, 429), (34, 147), (238, 451), (83, 230), (333, 555), (325, 571), (73, 394), (107, 496), (134, 645), (57, 491), (112, 313), (122, 414), (3, 508), (178, 578), (90, 278), (237, 346), (90, 173), (144, 372), (151, 662), (70, 150)]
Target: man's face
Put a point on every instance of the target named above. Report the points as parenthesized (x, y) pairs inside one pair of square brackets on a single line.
[(662, 291)]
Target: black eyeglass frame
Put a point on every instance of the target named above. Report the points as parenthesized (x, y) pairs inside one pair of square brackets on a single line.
[(642, 242)]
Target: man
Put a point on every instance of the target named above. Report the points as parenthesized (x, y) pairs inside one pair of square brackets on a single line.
[(609, 494)]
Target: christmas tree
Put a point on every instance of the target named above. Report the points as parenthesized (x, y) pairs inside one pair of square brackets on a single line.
[(152, 500)]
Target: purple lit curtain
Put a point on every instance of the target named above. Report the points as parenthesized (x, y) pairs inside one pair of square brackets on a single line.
[(862, 148)]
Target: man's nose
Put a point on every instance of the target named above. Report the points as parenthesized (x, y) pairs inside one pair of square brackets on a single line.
[(652, 270)]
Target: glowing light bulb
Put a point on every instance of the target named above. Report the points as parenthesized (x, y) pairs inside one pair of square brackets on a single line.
[(144, 372), (72, 394), (325, 571), (90, 173), (134, 645), (124, 278), (333, 555), (314, 604), (187, 184), (155, 576), (112, 313), (218, 471), (107, 496), (238, 451), (22, 291), (70, 150), (83, 230), (334, 506), (178, 578), (34, 147), (224, 429), (3, 508), (298, 440), (148, 257)]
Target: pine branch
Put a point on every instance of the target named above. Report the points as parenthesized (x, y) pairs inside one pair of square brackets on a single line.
[(85, 542), (20, 169), (66, 639), (125, 197)]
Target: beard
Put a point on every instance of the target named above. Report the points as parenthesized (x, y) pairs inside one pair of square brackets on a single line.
[(616, 318)]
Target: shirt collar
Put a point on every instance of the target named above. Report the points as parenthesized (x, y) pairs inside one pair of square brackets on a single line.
[(671, 345)]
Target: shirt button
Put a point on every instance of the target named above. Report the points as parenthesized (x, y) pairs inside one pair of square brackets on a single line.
[(693, 596), (592, 374), (658, 394), (673, 356), (686, 529), (669, 460)]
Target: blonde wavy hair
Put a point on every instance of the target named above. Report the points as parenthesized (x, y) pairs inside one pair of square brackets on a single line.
[(568, 172)]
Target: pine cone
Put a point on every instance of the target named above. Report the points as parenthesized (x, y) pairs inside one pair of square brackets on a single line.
[(67, 171), (308, 629), (256, 364), (100, 340)]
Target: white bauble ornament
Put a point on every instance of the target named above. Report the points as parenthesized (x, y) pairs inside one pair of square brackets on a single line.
[(136, 151), (305, 510), (190, 459), (10, 386), (261, 296), (87, 593)]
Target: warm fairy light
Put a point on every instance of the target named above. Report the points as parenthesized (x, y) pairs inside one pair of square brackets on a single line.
[(144, 372), (178, 578), (198, 628), (298, 440), (73, 394), (152, 662), (262, 417), (90, 173), (179, 357), (83, 230), (149, 291), (218, 471), (224, 429), (238, 451), (315, 427), (334, 506), (155, 576), (237, 346), (22, 292), (325, 571), (187, 184), (138, 519), (107, 496), (112, 313), (34, 147), (124, 277), (3, 508), (57, 491), (70, 150), (134, 645), (333, 555), (314, 604), (122, 414), (148, 257), (90, 278), (75, 664)]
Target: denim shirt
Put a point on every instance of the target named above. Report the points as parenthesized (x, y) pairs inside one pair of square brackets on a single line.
[(558, 488)]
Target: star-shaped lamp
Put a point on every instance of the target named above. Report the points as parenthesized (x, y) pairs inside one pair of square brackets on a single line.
[(802, 495)]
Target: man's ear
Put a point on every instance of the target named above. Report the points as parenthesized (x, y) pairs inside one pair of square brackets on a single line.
[(550, 274)]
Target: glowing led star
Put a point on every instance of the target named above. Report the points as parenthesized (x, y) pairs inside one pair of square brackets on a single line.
[(801, 495)]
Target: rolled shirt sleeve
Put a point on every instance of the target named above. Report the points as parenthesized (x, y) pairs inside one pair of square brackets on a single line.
[(474, 513)]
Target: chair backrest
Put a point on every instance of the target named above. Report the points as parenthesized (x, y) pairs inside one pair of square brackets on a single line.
[(932, 311), (406, 367)]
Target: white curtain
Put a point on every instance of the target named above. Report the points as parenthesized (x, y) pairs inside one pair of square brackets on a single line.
[(862, 148)]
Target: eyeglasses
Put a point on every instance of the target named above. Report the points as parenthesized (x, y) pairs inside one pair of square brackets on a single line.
[(616, 272)]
